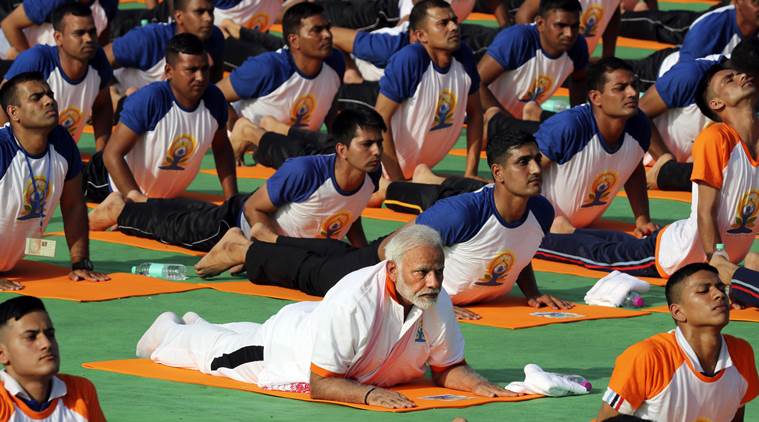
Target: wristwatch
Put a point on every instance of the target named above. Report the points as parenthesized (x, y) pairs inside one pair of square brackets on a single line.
[(84, 264)]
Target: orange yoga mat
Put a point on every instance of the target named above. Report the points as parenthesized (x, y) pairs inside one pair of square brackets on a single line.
[(509, 312), (748, 314), (387, 215), (661, 194), (137, 242), (247, 172), (422, 392), (569, 269), (49, 281)]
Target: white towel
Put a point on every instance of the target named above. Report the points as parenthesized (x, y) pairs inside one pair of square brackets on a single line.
[(538, 381), (614, 288)]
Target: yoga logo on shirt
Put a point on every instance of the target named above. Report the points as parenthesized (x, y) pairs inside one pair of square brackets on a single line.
[(70, 118), (538, 90), (498, 269), (746, 213), (335, 224), (180, 151), (590, 19), (300, 114), (446, 103), (258, 22), (419, 337), (600, 189), (34, 203)]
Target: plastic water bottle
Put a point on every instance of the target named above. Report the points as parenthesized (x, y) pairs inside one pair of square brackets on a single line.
[(633, 300), (164, 271), (580, 380)]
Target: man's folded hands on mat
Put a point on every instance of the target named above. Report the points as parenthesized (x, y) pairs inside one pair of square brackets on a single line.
[(535, 302), (74, 275)]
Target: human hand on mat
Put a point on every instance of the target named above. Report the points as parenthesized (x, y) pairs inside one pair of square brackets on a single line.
[(548, 300), (82, 275), (643, 228), (486, 389), (463, 313), (388, 398), (10, 285)]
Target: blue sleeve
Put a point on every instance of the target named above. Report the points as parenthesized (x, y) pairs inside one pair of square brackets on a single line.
[(579, 53), (336, 61), (260, 75), (678, 86), (565, 134), (466, 57), (543, 211), (297, 179), (378, 48), (7, 151), (709, 36), (216, 104), (639, 127), (145, 108), (225, 4), (215, 45), (514, 46), (36, 59), (403, 73), (38, 11), (457, 218), (65, 145), (142, 47), (104, 69)]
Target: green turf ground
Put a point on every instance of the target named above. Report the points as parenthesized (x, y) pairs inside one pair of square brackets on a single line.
[(110, 330)]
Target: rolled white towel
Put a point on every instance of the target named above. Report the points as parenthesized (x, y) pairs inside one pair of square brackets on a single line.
[(614, 288), (538, 381)]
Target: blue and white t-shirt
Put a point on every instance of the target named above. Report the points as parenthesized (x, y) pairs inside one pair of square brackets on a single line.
[(372, 50), (594, 19), (586, 172), (258, 15), (715, 32), (271, 85), (173, 141), (682, 121), (432, 103), (74, 97), (23, 210), (141, 53), (310, 203), (39, 11), (529, 73), (484, 254)]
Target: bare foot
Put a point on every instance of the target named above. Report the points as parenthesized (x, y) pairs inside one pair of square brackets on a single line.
[(10, 285), (532, 111), (107, 212), (751, 261), (244, 137), (652, 174), (423, 174), (270, 124), (229, 252), (261, 232), (352, 76), (562, 226), (464, 313), (726, 268)]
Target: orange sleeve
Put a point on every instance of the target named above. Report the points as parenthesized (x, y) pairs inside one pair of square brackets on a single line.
[(643, 371), (324, 373), (6, 406), (82, 398), (711, 152), (742, 356)]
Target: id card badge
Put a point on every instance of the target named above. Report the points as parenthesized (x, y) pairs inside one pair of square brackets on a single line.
[(39, 247)]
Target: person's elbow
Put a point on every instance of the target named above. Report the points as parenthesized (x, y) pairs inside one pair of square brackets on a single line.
[(319, 387)]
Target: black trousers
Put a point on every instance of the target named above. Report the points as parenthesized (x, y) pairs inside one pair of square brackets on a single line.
[(478, 38), (366, 15), (675, 176), (312, 266), (274, 148), (667, 26), (95, 184), (745, 287), (125, 20), (251, 43), (647, 68), (188, 223), (352, 96), (413, 198)]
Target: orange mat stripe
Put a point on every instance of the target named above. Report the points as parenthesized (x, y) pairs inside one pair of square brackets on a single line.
[(421, 392), (137, 242), (748, 314), (49, 281), (250, 289), (661, 194), (569, 269)]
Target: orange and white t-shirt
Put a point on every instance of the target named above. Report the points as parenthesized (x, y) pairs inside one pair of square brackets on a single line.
[(720, 160), (72, 399), (661, 379)]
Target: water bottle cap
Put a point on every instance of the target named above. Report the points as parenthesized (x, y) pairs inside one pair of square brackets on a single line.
[(134, 269), (719, 247), (588, 386), (638, 301)]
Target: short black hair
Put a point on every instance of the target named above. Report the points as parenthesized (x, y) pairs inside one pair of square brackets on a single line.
[(348, 121), (702, 92), (10, 87), (419, 11), (598, 70), (565, 5), (185, 43), (745, 56), (76, 9), (293, 17), (15, 308), (671, 290), (502, 142)]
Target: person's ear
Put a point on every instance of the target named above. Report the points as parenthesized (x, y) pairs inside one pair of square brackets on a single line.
[(4, 358), (392, 270), (58, 38), (168, 71), (497, 171), (594, 96), (678, 313), (341, 150)]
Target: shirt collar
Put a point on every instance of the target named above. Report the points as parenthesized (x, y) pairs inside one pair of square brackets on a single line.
[(723, 361), (14, 388)]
